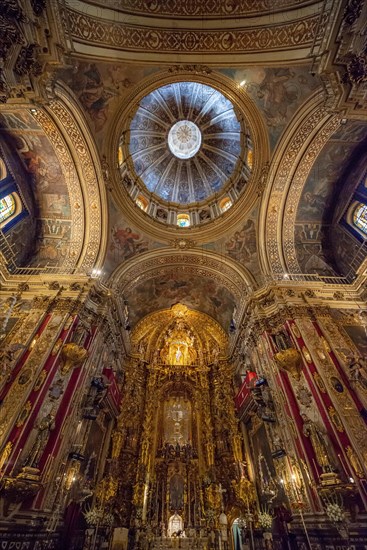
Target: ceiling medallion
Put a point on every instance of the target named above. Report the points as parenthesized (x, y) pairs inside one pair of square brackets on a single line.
[(183, 244), (184, 139)]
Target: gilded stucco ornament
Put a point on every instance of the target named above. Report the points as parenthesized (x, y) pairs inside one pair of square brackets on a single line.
[(24, 414), (183, 244), (290, 360), (73, 355), (343, 413), (306, 354), (25, 485), (355, 462)]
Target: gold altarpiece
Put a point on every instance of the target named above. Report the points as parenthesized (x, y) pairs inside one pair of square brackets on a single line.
[(189, 464)]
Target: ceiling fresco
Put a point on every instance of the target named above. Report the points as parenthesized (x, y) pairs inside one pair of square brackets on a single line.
[(277, 91), (101, 86), (125, 241), (337, 163), (241, 245), (198, 293), (52, 205), (191, 162)]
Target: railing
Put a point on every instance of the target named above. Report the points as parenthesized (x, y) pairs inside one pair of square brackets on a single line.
[(315, 278), (9, 256)]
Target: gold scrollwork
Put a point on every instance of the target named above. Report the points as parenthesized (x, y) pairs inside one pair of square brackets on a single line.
[(295, 330), (319, 381), (57, 347), (320, 352), (306, 354), (5, 454), (24, 414), (325, 344), (355, 462), (40, 380), (336, 420)]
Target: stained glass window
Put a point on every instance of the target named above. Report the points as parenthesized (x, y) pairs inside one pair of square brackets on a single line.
[(183, 220), (7, 207), (142, 202), (360, 217), (250, 158), (225, 204)]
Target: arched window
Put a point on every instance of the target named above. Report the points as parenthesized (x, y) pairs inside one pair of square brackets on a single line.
[(250, 158), (183, 220), (225, 204), (142, 202), (360, 217), (7, 207)]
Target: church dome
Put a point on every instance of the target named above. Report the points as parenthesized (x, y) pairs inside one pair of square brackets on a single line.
[(185, 142)]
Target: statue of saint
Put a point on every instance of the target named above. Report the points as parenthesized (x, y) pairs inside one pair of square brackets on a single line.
[(45, 427), (358, 370), (318, 440), (178, 356)]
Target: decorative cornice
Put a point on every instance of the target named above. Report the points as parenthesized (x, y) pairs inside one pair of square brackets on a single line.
[(208, 9), (127, 36)]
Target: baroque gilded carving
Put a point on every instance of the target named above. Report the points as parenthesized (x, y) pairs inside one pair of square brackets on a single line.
[(73, 355), (125, 37), (344, 414), (25, 378), (291, 361), (190, 8)]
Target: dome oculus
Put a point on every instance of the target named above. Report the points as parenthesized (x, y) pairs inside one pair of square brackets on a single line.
[(184, 139)]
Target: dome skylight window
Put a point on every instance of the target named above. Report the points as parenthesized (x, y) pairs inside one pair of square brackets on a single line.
[(184, 139)]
